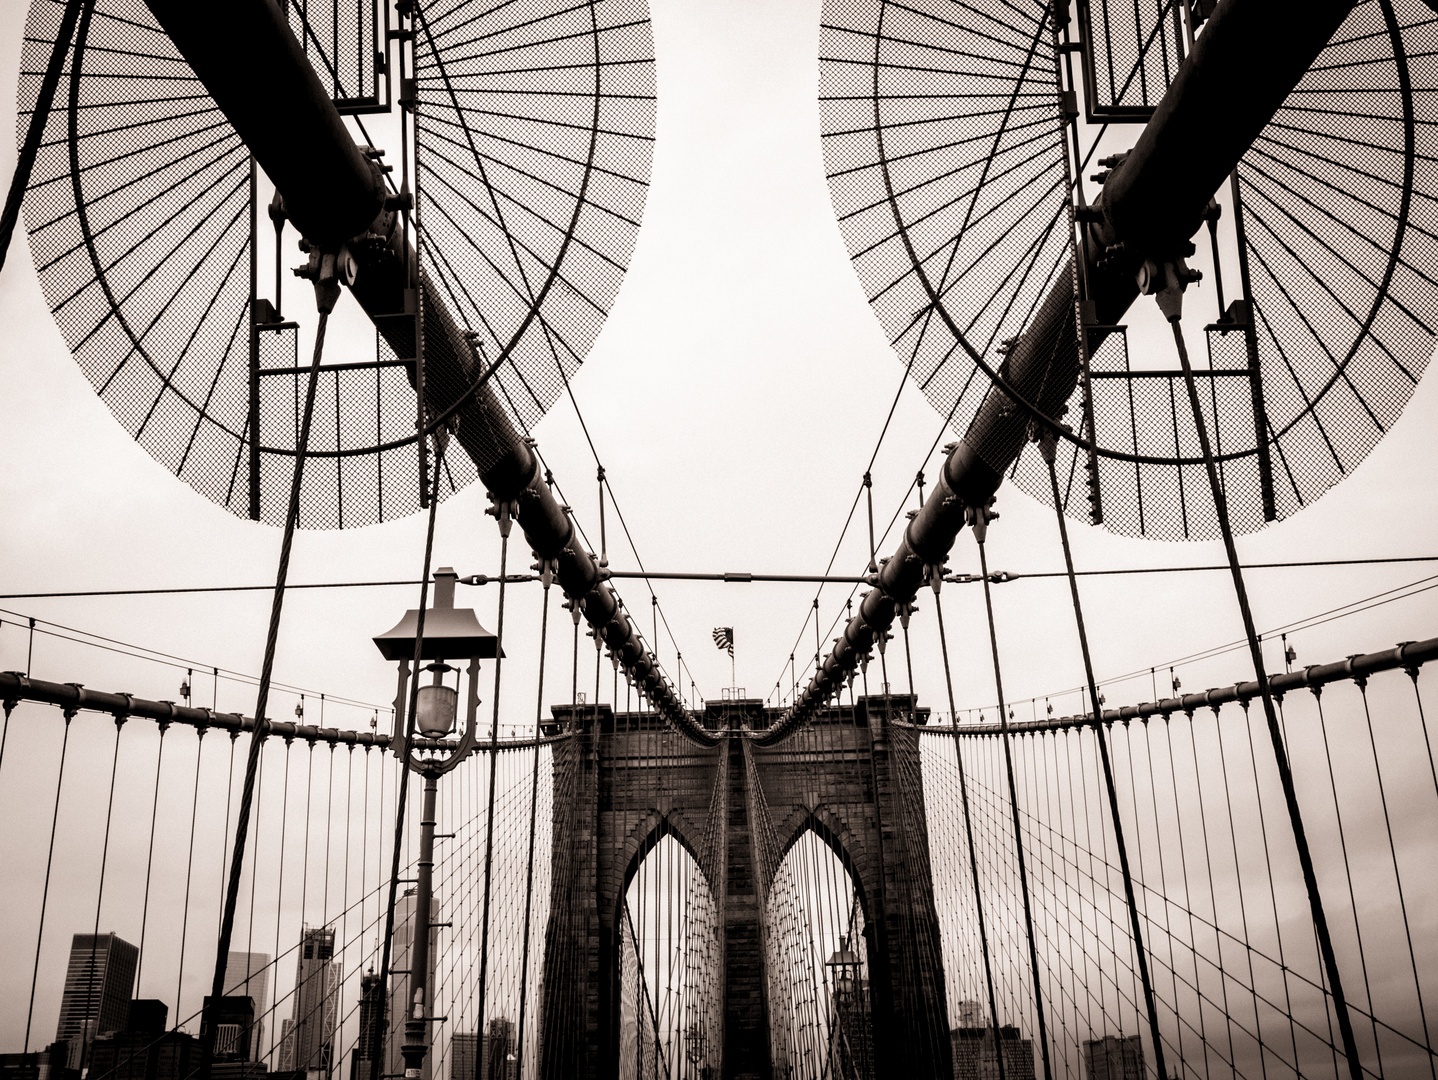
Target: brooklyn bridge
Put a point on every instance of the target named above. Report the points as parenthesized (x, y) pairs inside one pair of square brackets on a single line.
[(348, 736)]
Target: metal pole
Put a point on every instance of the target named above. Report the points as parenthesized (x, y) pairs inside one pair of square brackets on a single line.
[(418, 1008)]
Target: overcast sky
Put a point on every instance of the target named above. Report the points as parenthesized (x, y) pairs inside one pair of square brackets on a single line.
[(734, 396)]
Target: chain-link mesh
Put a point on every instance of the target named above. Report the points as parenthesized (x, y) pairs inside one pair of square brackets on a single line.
[(944, 153), (1340, 219), (1131, 53), (1148, 413), (140, 211), (1340, 204), (1340, 213), (535, 126)]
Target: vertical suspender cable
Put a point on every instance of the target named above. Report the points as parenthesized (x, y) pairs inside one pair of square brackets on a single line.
[(1280, 754), (257, 735), (981, 517), (533, 822), (503, 513), (45, 892), (100, 893), (935, 579), (1046, 448), (150, 862), (189, 868)]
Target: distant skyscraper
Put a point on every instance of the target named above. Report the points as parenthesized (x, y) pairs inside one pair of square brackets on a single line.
[(1113, 1058), (371, 1003), (311, 1034), (399, 990), (247, 974), (145, 1050), (976, 1051), (98, 982), (500, 1061), (463, 1048)]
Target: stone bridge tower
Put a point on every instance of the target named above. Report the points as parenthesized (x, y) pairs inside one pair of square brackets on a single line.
[(624, 782)]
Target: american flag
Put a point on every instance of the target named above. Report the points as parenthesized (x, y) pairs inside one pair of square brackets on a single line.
[(724, 639)]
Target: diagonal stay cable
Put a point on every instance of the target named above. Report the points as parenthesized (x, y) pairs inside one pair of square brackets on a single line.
[(257, 736)]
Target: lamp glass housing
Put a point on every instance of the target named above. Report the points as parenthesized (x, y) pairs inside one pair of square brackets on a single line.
[(436, 710)]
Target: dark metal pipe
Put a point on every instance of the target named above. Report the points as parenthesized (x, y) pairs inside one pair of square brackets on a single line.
[(1151, 204), (251, 64), (254, 68)]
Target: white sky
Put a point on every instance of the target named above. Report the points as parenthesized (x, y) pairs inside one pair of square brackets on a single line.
[(735, 395)]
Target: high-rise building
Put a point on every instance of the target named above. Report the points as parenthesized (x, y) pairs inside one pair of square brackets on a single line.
[(400, 994), (976, 1051), (285, 1052), (371, 1005), (1113, 1058), (499, 1052), (247, 974), (308, 1039), (98, 982), (234, 1020), (144, 1050), (47, 1064), (463, 1051)]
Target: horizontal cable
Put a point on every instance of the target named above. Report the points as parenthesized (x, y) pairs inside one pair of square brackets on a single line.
[(73, 697), (1409, 656)]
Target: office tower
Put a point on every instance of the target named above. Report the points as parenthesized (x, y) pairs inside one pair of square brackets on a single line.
[(311, 1033), (247, 974), (234, 1051), (371, 1004), (47, 1064), (234, 1020), (976, 1051), (145, 1050), (499, 1050), (1113, 1058), (400, 993), (285, 1052), (98, 982), (463, 1048)]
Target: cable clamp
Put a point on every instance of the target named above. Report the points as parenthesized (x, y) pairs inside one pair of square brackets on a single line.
[(934, 575)]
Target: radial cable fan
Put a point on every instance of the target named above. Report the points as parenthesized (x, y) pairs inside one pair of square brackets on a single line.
[(966, 147), (514, 143)]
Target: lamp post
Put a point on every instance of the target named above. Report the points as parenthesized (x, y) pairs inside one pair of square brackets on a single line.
[(694, 1049), (849, 1007), (450, 633)]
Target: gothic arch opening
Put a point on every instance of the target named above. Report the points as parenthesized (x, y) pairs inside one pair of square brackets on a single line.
[(820, 1014), (670, 978)]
